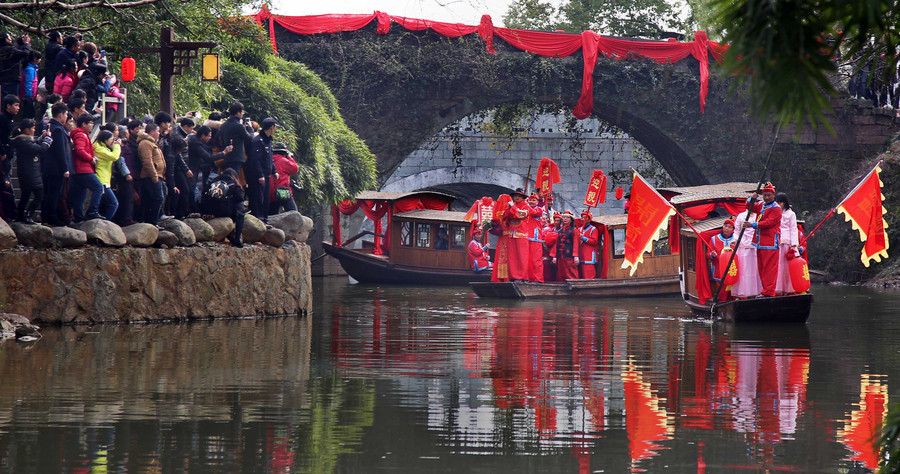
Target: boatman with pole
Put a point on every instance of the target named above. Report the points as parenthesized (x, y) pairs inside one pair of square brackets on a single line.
[(767, 226)]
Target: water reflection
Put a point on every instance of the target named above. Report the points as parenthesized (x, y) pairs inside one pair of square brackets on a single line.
[(411, 379)]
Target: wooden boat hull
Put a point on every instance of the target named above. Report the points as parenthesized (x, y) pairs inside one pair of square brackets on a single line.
[(776, 309), (371, 269), (592, 288)]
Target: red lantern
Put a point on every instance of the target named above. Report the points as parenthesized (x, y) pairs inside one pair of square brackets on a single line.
[(731, 276), (128, 69), (799, 274), (619, 192)]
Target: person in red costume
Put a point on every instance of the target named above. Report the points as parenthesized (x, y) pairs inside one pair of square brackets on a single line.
[(717, 243), (568, 248), (590, 241), (479, 258), (767, 226), (548, 235), (535, 241), (516, 215)]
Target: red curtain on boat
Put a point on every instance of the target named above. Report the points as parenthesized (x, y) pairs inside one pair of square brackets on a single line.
[(698, 212), (735, 208), (375, 210), (701, 266), (675, 234), (336, 226), (434, 203), (537, 42), (407, 204)]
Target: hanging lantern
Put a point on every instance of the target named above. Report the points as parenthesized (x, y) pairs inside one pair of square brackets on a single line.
[(619, 192), (799, 270), (128, 69), (211, 69)]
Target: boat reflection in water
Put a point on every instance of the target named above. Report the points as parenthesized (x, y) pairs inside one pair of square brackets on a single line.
[(613, 391), (862, 425)]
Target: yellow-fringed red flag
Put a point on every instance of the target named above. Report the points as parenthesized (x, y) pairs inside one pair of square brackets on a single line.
[(648, 215), (863, 208)]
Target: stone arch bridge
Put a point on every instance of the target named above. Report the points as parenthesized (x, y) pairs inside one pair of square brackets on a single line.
[(398, 90)]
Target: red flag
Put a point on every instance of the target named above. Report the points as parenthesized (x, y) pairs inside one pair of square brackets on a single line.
[(596, 192), (648, 215), (547, 175), (481, 210), (863, 208)]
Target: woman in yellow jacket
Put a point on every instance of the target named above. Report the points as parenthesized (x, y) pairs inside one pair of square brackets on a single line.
[(107, 150)]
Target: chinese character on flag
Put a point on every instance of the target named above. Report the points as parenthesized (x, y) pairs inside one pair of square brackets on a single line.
[(648, 215), (863, 208), (596, 193), (547, 175)]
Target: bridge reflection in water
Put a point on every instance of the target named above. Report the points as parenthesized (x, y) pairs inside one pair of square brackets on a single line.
[(423, 379)]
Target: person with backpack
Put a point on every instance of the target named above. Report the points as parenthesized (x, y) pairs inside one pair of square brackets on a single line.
[(225, 198)]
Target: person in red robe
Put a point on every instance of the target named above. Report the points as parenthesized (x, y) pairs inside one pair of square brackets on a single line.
[(548, 235), (517, 229), (479, 258), (535, 241), (717, 243), (568, 248), (590, 242), (767, 226)]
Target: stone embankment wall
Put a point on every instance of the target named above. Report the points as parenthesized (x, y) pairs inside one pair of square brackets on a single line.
[(101, 284)]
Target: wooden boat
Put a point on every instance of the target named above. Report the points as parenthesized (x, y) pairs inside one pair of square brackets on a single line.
[(780, 309), (658, 275), (419, 246)]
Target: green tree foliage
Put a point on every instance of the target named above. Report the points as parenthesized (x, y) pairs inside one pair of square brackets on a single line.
[(632, 18), (334, 162)]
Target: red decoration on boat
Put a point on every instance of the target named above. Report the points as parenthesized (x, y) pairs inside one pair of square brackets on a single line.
[(799, 274), (619, 192), (731, 276), (128, 69)]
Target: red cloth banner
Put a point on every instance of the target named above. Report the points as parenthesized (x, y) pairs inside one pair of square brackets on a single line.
[(596, 192), (541, 43), (700, 211), (863, 208), (547, 175), (648, 215), (701, 266), (481, 210)]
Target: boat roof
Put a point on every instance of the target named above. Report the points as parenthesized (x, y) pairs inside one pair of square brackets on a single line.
[(732, 191), (431, 215), (704, 225), (611, 220), (383, 196)]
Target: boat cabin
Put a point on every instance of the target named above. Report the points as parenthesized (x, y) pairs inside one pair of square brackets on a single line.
[(660, 261), (430, 238)]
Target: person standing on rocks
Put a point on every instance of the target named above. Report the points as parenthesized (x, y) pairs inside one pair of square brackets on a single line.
[(259, 169), (84, 179), (56, 168), (237, 133), (280, 193), (225, 198), (29, 153), (153, 172)]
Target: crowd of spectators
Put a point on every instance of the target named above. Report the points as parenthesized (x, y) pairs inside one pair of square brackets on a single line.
[(130, 170)]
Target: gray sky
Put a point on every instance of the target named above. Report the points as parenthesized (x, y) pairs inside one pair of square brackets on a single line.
[(455, 11)]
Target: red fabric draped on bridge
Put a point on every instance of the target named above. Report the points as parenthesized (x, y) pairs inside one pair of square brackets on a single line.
[(541, 43)]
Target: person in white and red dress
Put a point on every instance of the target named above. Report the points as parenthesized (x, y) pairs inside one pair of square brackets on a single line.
[(789, 242), (748, 284), (479, 258)]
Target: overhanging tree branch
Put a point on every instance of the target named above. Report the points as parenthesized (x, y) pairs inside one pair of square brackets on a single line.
[(58, 5)]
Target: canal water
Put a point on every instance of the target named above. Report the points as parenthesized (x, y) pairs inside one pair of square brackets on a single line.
[(408, 379)]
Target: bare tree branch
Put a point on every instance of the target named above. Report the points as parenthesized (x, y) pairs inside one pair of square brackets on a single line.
[(33, 29), (58, 5)]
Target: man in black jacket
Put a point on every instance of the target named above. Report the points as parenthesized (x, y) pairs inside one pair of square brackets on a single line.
[(56, 167), (54, 46), (184, 201), (12, 55), (201, 159), (235, 132), (258, 170), (9, 108)]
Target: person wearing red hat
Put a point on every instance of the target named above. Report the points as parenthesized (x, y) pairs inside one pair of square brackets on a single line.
[(517, 229), (789, 242), (548, 235), (590, 241), (535, 241), (568, 248), (717, 243), (767, 226), (479, 258)]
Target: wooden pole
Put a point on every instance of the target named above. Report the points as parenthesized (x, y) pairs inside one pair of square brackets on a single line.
[(167, 70)]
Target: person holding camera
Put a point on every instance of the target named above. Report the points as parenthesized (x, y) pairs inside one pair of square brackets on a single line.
[(12, 55), (238, 133)]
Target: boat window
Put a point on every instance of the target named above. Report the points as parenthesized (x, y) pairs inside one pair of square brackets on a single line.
[(618, 243), (661, 246), (423, 235), (457, 237), (406, 234), (442, 238), (688, 249)]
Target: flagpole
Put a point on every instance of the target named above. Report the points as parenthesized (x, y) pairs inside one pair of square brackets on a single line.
[(762, 177), (833, 209), (692, 228)]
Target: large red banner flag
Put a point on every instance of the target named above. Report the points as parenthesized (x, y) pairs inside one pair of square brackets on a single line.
[(596, 192), (648, 215), (863, 208), (547, 175)]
